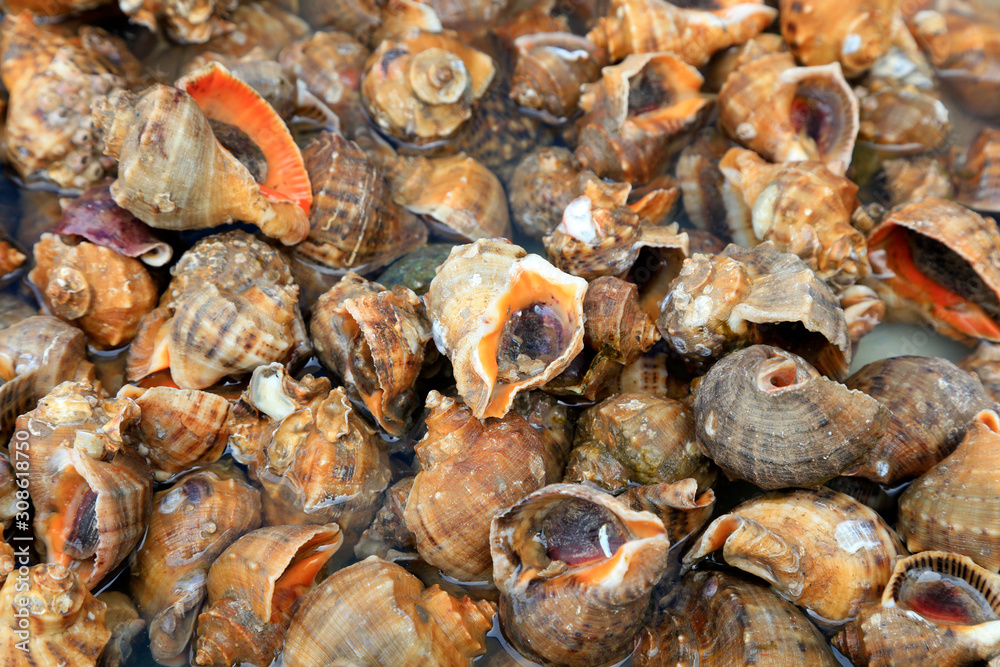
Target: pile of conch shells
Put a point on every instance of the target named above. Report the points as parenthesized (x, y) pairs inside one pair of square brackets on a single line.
[(440, 332)]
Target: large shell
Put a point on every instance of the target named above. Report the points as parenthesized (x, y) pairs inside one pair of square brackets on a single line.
[(855, 35), (192, 522), (936, 603), (954, 506), (354, 223), (254, 589), (48, 617), (767, 416), (932, 402), (495, 464), (637, 438), (789, 114), (550, 69), (377, 613), (635, 110), (509, 321), (92, 494), (644, 26), (575, 568), (53, 79), (977, 173), (731, 621), (375, 340), (421, 86), (157, 181), (722, 302), (985, 362), (822, 550), (802, 206), (939, 261), (104, 293)]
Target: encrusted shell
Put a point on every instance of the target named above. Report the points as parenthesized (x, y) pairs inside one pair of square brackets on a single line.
[(767, 416), (954, 506), (495, 464), (976, 174), (509, 321), (855, 35), (822, 550), (575, 568), (376, 612)]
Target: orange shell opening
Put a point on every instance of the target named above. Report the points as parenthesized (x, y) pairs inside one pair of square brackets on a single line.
[(69, 494), (295, 581), (943, 304), (223, 97)]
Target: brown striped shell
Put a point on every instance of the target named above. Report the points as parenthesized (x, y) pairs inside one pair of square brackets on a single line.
[(822, 550), (551, 66)]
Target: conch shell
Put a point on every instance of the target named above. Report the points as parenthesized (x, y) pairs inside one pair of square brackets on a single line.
[(855, 35), (789, 114), (509, 321), (575, 568)]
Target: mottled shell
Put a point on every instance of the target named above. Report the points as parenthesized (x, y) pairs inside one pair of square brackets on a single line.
[(855, 35), (492, 306), (953, 506), (932, 402), (802, 206), (377, 613), (976, 174), (863, 310), (359, 18), (719, 619), (185, 22), (104, 293), (542, 185), (550, 69), (789, 114), (939, 261), (7, 563), (254, 589), (156, 178), (495, 464), (645, 26), (263, 27), (421, 86), (637, 438), (722, 302), (388, 532), (575, 568), (192, 522), (53, 78), (62, 622), (633, 112), (936, 603), (375, 340), (354, 223), (767, 416), (985, 362), (822, 550), (91, 493)]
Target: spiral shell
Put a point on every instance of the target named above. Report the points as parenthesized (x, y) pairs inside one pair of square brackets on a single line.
[(509, 321), (902, 120), (550, 69), (855, 36), (701, 181)]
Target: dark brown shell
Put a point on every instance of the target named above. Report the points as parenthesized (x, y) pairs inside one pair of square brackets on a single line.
[(767, 416)]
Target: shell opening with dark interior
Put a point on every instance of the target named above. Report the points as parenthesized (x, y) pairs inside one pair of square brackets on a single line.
[(945, 599), (73, 533), (577, 532), (243, 148), (815, 113)]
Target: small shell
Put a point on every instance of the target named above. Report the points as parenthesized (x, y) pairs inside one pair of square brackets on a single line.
[(936, 603), (415, 270), (822, 550), (789, 114), (918, 436), (374, 340), (542, 185), (645, 26), (354, 222), (377, 613), (104, 293), (62, 623), (509, 321), (422, 86), (908, 180), (494, 463), (954, 505), (985, 362), (723, 620), (939, 261), (802, 206), (766, 416), (7, 563), (863, 310), (192, 522), (677, 504), (632, 114), (254, 589), (388, 532), (722, 302), (902, 120), (855, 35), (550, 69), (122, 619), (575, 568), (637, 438), (262, 27), (977, 173)]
